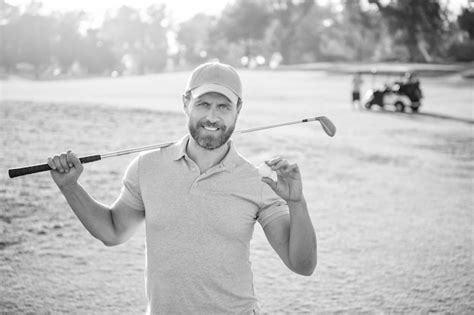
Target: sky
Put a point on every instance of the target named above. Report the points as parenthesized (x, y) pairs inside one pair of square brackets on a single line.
[(181, 10)]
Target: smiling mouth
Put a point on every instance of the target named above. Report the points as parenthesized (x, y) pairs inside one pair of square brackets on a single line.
[(210, 128)]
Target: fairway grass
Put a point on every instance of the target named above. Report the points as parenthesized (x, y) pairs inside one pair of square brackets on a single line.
[(390, 197)]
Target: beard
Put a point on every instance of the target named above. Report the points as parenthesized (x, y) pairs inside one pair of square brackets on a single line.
[(210, 140)]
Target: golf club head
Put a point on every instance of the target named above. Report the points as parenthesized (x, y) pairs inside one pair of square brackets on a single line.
[(327, 125)]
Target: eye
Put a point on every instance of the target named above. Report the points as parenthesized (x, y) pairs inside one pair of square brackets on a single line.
[(224, 106), (202, 104)]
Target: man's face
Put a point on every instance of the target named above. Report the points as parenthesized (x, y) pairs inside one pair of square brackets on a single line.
[(211, 119)]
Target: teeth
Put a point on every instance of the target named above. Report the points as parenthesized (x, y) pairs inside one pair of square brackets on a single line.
[(210, 128)]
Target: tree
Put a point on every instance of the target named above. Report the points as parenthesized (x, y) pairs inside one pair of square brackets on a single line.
[(193, 36), (311, 36), (362, 31), (9, 45), (288, 14), (25, 38), (126, 32), (155, 47), (463, 48), (96, 54), (466, 21), (138, 36), (126, 29), (244, 22), (35, 35), (68, 41), (417, 25)]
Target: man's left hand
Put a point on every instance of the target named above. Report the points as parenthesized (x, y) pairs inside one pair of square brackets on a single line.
[(288, 185)]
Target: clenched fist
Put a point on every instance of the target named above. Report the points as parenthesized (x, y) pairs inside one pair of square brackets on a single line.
[(66, 168)]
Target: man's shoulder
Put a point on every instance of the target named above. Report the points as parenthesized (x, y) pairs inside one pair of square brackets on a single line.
[(155, 155)]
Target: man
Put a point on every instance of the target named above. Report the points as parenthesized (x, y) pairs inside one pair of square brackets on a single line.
[(200, 199), (356, 85)]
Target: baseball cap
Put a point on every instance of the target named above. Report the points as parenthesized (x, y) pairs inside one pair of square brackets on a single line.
[(215, 77)]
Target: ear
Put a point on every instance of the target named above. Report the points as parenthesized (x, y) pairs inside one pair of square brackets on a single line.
[(239, 106), (185, 103), (185, 100)]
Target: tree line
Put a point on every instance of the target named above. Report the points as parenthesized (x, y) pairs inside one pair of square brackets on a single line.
[(250, 33)]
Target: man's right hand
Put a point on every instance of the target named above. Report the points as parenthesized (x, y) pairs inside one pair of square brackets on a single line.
[(66, 169)]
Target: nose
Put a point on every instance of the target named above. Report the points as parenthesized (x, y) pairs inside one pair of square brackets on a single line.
[(212, 116)]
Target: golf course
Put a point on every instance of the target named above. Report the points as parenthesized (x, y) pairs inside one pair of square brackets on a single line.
[(390, 195)]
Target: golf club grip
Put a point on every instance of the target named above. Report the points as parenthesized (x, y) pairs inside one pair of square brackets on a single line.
[(15, 172)]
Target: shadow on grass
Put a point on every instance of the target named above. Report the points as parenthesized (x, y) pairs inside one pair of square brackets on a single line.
[(412, 115)]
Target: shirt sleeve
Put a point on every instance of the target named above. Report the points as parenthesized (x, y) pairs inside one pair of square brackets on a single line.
[(271, 207), (130, 193)]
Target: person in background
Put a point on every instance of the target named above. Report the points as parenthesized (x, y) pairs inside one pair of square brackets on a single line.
[(410, 86), (356, 86)]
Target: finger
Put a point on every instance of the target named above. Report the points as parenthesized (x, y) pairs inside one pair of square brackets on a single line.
[(63, 160), (57, 163), (292, 168), (295, 168), (273, 161), (68, 159), (51, 163), (294, 171), (75, 160), (280, 165), (281, 168), (270, 182)]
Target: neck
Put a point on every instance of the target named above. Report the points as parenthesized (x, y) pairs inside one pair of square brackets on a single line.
[(204, 158)]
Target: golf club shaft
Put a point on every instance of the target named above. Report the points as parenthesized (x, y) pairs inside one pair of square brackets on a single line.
[(15, 172), (277, 125), (162, 145)]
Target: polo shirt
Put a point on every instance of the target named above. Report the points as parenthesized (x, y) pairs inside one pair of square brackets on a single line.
[(198, 229)]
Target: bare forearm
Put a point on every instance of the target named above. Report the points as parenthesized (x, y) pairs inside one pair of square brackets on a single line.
[(96, 217), (302, 242)]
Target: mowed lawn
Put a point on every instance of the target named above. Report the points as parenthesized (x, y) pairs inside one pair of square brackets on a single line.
[(390, 195)]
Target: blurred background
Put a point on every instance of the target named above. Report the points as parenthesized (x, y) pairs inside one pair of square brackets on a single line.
[(51, 38), (390, 196)]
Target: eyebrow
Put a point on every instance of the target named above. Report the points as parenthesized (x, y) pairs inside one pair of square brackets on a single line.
[(200, 100)]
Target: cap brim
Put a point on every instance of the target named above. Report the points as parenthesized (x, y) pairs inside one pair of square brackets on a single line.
[(216, 88)]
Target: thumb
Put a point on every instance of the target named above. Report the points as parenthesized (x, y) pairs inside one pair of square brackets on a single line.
[(270, 182)]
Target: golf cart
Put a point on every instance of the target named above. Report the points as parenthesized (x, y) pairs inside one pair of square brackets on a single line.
[(399, 94)]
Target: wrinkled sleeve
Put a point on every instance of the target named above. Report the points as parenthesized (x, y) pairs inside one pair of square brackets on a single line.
[(130, 193), (271, 207)]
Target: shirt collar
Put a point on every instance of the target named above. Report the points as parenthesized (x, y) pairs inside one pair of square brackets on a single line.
[(180, 148), (229, 161)]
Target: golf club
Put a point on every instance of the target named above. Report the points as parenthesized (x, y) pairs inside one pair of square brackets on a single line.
[(326, 124)]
